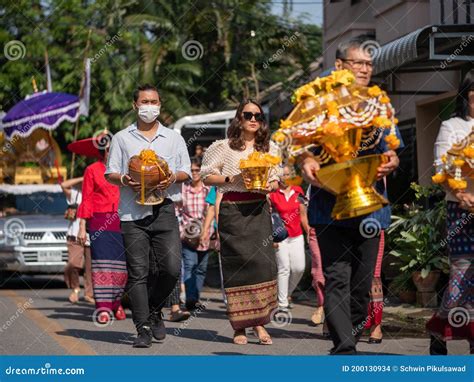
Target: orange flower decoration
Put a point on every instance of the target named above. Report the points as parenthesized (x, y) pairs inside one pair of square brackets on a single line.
[(392, 141), (374, 91), (469, 152), (457, 184), (332, 128), (439, 178)]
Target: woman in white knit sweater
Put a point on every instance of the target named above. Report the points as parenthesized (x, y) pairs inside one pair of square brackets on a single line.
[(455, 317)]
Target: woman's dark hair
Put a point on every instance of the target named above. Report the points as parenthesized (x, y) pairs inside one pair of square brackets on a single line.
[(462, 98), (234, 133), (197, 161), (103, 143)]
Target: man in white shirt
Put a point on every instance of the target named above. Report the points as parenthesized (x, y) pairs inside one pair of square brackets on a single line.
[(151, 233)]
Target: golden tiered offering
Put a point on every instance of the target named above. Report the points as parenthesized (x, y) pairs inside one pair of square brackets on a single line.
[(344, 120), (457, 164), (256, 170), (149, 170)]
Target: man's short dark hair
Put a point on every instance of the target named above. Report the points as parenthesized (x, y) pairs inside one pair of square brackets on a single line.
[(353, 43), (143, 88)]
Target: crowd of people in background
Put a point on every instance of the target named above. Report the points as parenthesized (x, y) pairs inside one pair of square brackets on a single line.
[(161, 252)]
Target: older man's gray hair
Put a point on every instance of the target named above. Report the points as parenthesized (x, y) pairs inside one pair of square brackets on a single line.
[(353, 43)]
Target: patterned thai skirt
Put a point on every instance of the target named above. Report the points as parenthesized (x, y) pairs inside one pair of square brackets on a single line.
[(376, 303), (455, 317), (109, 269), (248, 259)]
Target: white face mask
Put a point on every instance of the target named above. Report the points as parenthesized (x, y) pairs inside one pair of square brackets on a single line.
[(149, 113)]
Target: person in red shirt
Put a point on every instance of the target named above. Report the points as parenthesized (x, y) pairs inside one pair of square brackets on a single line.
[(99, 218), (287, 201)]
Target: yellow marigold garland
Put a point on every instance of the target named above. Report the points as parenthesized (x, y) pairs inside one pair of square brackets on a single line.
[(258, 159)]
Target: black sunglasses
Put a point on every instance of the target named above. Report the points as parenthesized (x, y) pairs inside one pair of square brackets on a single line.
[(248, 116)]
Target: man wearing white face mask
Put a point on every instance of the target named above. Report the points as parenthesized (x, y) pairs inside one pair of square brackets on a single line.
[(150, 233)]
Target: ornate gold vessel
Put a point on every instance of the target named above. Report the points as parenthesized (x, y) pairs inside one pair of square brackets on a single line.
[(343, 120), (352, 183), (256, 170), (256, 178)]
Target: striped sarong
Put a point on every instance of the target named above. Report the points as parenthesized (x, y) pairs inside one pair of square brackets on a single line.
[(109, 269)]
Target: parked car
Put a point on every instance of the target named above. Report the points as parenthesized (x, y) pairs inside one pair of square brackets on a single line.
[(33, 229)]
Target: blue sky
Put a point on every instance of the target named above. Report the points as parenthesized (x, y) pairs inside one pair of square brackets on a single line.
[(313, 9)]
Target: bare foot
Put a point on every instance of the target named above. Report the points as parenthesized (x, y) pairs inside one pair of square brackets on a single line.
[(239, 337), (74, 296), (263, 336), (318, 316), (376, 332)]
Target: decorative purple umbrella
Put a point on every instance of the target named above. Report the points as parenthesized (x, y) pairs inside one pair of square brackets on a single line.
[(45, 110)]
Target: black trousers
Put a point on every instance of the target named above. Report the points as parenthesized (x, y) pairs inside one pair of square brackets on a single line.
[(348, 260), (153, 251)]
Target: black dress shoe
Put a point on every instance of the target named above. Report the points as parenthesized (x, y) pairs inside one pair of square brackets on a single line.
[(144, 338), (373, 340), (158, 326), (438, 346)]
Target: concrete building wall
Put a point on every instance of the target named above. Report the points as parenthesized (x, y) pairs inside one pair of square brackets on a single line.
[(394, 18)]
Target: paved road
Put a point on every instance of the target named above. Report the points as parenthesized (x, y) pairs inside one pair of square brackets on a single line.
[(36, 318)]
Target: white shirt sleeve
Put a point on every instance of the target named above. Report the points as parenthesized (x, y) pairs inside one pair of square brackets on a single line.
[(114, 158)]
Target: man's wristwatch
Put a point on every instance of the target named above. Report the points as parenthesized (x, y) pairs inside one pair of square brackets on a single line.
[(227, 179), (121, 180)]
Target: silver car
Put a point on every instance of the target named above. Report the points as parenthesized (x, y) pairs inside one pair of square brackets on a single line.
[(33, 238)]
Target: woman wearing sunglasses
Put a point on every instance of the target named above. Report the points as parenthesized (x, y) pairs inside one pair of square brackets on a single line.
[(248, 259)]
